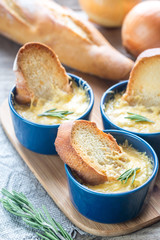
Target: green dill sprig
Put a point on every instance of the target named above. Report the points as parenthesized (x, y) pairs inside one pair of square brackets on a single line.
[(138, 118), (127, 174), (53, 113), (19, 205)]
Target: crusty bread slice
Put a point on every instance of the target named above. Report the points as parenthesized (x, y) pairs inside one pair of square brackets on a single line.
[(39, 72), (144, 81), (87, 150)]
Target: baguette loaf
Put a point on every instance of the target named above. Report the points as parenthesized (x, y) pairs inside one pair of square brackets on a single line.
[(144, 82), (77, 43), (93, 154), (38, 73)]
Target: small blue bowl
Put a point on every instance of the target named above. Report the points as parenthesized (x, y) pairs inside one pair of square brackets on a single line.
[(40, 138), (113, 207), (152, 138)]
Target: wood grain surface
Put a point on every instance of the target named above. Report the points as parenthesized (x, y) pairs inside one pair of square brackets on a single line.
[(49, 170), (151, 213)]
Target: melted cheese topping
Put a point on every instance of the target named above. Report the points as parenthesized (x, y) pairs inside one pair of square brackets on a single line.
[(76, 102), (135, 159), (117, 108)]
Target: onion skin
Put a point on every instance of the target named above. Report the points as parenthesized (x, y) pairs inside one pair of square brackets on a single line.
[(108, 13), (141, 27)]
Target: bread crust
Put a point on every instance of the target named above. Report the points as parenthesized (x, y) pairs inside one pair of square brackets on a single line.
[(78, 44), (71, 154), (24, 94), (108, 13), (132, 88)]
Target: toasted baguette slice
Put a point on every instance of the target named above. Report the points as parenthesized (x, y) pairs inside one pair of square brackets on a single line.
[(87, 150), (39, 72), (144, 81)]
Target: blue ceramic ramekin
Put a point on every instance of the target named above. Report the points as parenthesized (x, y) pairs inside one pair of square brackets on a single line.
[(152, 138), (37, 137), (113, 207)]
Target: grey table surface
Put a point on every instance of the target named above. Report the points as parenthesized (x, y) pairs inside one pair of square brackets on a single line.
[(14, 174)]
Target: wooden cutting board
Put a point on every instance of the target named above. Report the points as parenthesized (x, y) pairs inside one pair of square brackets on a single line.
[(49, 170)]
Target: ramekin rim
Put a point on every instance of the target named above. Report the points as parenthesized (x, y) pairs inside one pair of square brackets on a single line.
[(149, 180), (73, 76), (108, 119)]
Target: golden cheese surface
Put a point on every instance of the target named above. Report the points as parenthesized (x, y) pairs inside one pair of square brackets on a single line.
[(76, 102), (134, 159), (117, 109)]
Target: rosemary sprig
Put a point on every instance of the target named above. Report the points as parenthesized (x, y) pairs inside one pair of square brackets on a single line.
[(19, 205), (127, 174), (53, 113), (138, 118)]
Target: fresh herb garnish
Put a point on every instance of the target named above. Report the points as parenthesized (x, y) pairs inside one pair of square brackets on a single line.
[(53, 113), (19, 205), (138, 118), (127, 174)]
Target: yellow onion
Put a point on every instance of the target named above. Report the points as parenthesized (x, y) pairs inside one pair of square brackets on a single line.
[(141, 27)]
